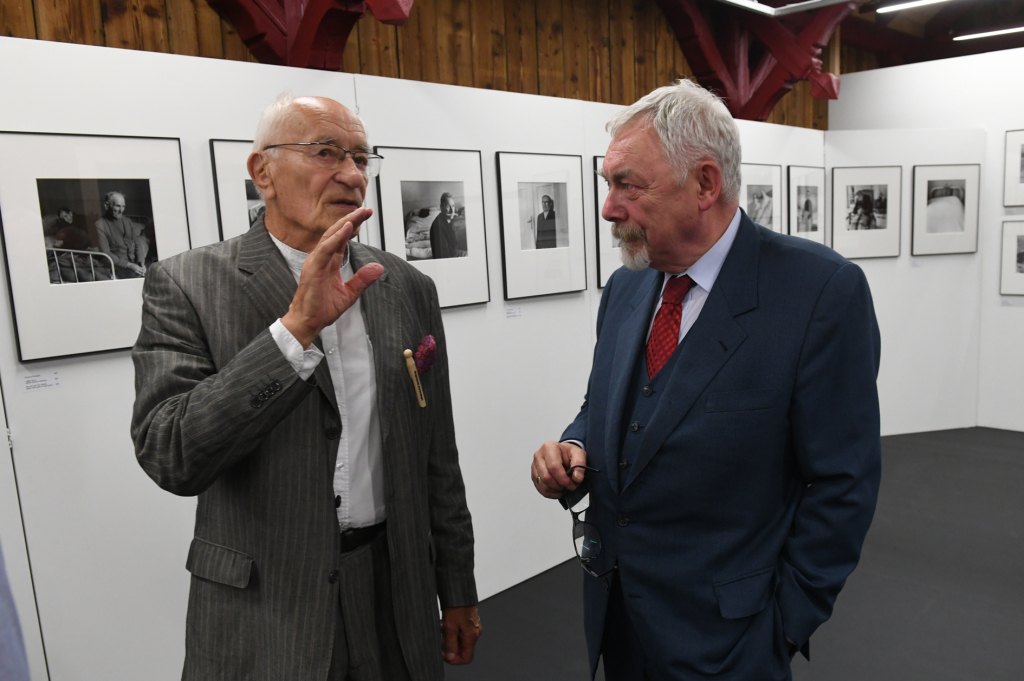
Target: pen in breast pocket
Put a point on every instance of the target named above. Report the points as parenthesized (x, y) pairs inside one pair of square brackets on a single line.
[(410, 364)]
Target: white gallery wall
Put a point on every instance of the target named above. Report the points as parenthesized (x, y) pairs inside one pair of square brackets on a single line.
[(980, 92), (107, 547)]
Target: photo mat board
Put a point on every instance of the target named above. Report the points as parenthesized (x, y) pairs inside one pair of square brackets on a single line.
[(542, 249), (761, 194), (945, 209), (609, 255), (1013, 188), (431, 204), (866, 211), (807, 202), (126, 197), (1012, 276), (239, 203)]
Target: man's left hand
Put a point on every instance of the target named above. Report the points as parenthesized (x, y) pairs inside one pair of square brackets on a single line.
[(460, 628)]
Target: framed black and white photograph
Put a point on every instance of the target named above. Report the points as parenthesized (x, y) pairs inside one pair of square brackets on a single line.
[(807, 202), (1012, 280), (1013, 190), (761, 194), (542, 235), (239, 203), (432, 214), (609, 255), (945, 209), (82, 219), (866, 211)]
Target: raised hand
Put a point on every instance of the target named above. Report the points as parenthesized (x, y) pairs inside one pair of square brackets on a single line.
[(322, 295)]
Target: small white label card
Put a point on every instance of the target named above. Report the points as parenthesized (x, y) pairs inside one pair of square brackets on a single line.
[(42, 381)]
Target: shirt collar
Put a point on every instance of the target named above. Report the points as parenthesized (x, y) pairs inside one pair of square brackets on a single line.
[(296, 258), (705, 271)]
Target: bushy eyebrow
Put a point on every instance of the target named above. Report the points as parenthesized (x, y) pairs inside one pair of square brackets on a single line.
[(363, 147), (620, 175)]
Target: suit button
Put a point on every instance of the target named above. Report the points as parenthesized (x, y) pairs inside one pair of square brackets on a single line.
[(337, 501), (634, 426), (623, 463), (333, 577), (647, 391), (604, 580), (275, 386), (333, 433), (622, 521), (256, 403)]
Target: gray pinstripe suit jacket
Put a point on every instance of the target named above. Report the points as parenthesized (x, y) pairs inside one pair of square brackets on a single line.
[(262, 605)]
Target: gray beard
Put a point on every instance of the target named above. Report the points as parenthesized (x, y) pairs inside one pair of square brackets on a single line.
[(636, 260)]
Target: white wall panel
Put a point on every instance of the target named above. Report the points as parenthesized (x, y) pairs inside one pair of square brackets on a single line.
[(969, 92), (926, 305)]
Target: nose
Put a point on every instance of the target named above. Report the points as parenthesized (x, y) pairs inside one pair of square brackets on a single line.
[(613, 211), (348, 173)]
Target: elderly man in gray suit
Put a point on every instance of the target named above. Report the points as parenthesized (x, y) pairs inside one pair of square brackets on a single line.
[(271, 381)]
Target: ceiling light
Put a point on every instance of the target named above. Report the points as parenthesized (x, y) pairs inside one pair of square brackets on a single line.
[(907, 5), (989, 34)]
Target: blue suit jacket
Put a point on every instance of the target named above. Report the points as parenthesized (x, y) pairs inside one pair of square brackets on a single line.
[(757, 475)]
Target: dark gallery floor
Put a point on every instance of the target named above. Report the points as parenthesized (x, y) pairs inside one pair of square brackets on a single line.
[(938, 595)]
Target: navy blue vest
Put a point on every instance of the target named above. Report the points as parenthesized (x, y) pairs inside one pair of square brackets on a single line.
[(642, 399)]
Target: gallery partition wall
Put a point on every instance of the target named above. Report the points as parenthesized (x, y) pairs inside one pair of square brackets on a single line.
[(107, 548)]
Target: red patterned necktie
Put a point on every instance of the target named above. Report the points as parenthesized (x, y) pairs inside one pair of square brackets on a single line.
[(665, 332)]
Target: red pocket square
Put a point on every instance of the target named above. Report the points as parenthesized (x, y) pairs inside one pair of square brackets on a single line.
[(425, 354)]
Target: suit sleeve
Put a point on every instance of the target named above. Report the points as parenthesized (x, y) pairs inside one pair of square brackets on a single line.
[(577, 430), (192, 421), (835, 428), (451, 526)]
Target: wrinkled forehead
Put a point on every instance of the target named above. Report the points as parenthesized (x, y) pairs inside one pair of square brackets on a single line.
[(325, 121)]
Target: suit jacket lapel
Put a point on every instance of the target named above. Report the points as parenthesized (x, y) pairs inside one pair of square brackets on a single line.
[(630, 341), (709, 344), (271, 287), (382, 314)]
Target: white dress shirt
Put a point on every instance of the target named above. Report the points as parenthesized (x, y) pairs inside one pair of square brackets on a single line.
[(359, 467)]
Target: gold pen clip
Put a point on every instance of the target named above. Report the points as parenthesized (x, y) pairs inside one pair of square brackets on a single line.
[(410, 364)]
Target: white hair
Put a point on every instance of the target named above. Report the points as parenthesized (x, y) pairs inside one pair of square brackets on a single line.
[(693, 124), (284, 111)]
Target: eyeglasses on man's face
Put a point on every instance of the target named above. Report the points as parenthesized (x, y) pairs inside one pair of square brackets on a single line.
[(585, 536), (331, 157)]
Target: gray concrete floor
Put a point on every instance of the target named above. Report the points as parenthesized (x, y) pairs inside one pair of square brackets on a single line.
[(938, 594)]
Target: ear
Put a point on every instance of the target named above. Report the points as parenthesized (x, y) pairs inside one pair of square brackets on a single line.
[(259, 171), (709, 181)]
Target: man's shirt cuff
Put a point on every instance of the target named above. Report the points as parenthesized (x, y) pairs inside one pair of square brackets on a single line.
[(303, 361), (571, 442)]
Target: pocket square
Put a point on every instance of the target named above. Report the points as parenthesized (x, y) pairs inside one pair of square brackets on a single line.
[(425, 354)]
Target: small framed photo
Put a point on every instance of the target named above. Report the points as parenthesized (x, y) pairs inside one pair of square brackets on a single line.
[(866, 211), (82, 218), (761, 194), (1013, 189), (541, 207), (239, 203), (1012, 283), (807, 202), (945, 209), (609, 256), (432, 214)]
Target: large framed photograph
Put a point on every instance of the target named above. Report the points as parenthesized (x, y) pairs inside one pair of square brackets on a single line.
[(432, 214), (1012, 281), (761, 194), (541, 208), (945, 209), (82, 217), (866, 211), (807, 202), (239, 203), (609, 255), (1013, 189)]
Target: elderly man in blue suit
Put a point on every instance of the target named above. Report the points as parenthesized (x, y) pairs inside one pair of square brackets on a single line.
[(731, 414)]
